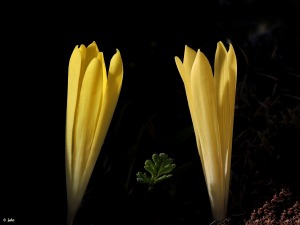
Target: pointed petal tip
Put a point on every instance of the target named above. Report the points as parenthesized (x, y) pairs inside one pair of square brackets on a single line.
[(231, 48), (93, 43), (177, 58), (118, 51), (221, 45), (187, 48), (118, 55), (116, 63)]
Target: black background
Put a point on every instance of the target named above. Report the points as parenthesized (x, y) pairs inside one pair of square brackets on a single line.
[(151, 112)]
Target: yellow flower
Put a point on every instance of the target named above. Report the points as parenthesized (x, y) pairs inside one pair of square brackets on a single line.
[(211, 100), (91, 101)]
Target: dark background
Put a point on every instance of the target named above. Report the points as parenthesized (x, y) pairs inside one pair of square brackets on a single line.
[(152, 115)]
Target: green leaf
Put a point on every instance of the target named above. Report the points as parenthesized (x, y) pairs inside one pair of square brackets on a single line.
[(162, 178), (159, 168), (149, 166), (143, 178)]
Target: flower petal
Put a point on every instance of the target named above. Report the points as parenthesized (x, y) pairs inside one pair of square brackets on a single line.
[(205, 107), (189, 58), (75, 76), (86, 119), (91, 53), (110, 97), (74, 85), (225, 81), (221, 79), (185, 73)]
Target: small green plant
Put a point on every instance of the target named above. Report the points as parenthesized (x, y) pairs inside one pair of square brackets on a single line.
[(160, 169)]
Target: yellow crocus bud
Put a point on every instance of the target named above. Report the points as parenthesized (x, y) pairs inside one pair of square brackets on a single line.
[(91, 101), (211, 100)]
